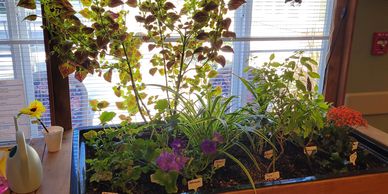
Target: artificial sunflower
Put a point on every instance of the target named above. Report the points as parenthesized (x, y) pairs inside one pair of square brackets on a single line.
[(35, 109)]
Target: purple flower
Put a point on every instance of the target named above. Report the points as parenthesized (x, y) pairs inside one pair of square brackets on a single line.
[(208, 147), (217, 137), (171, 161), (177, 145)]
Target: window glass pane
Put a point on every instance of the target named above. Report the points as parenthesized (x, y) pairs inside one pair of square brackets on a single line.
[(22, 55)]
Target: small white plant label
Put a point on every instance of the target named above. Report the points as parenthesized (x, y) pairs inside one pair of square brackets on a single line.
[(152, 179), (195, 184), (219, 163), (353, 158), (108, 193), (272, 176), (354, 145), (268, 154), (310, 150)]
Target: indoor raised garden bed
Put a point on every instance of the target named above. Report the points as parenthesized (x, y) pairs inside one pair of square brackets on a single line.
[(370, 177)]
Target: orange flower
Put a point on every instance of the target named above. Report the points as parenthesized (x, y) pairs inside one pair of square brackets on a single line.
[(345, 117)]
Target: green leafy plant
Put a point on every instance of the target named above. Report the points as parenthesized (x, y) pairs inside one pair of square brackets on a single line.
[(285, 94)]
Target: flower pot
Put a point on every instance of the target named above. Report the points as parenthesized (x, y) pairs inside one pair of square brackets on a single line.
[(371, 181), (53, 138)]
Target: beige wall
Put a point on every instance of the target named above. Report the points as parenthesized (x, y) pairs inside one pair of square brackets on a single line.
[(369, 73)]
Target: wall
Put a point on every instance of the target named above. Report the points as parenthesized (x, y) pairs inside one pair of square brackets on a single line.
[(369, 73)]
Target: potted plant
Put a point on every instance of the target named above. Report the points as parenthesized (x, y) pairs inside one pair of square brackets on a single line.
[(189, 140)]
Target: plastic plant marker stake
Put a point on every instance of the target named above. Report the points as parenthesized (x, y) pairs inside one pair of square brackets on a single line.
[(195, 184), (219, 163), (272, 176)]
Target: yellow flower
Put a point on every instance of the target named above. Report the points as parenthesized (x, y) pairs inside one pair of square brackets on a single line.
[(35, 109)]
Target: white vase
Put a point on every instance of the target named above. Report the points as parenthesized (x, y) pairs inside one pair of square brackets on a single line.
[(53, 138), (24, 168)]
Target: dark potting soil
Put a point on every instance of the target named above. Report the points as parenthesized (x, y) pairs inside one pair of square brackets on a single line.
[(292, 164)]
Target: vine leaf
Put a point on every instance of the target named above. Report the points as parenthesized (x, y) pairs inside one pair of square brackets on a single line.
[(28, 4), (235, 4)]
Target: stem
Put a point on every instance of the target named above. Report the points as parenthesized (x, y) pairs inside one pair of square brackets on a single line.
[(137, 97), (180, 75), (44, 126), (164, 62)]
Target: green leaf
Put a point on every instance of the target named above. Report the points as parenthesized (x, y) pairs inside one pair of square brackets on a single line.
[(106, 117), (161, 104), (31, 17), (212, 74), (28, 4), (86, 3), (272, 57), (300, 85), (90, 135), (313, 75), (166, 179)]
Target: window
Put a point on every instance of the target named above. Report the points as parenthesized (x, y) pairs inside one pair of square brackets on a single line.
[(22, 55)]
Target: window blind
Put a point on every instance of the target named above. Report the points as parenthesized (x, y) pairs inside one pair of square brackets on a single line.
[(22, 55)]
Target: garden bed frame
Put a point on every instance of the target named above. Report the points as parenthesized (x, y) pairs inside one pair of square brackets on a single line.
[(368, 181)]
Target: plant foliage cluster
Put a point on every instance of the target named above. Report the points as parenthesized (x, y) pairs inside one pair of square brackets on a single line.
[(184, 131)]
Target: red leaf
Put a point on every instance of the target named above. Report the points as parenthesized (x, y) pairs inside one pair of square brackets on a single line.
[(150, 19), (108, 75), (114, 3), (66, 69), (227, 49), (151, 47), (210, 6), (235, 4), (81, 75), (221, 60), (28, 4), (198, 50), (132, 3), (201, 17), (201, 57), (229, 34), (170, 64), (226, 23), (169, 5), (140, 19), (30, 17), (202, 36)]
